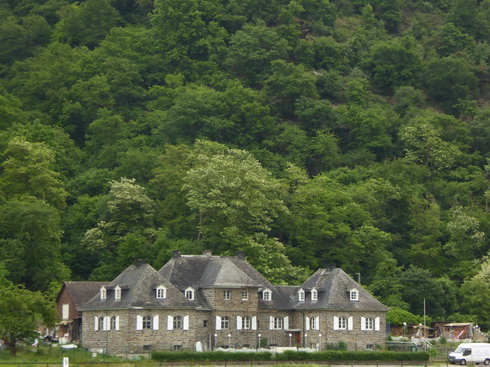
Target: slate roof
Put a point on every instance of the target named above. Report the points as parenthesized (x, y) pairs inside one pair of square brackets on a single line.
[(205, 271), (138, 283), (81, 292), (333, 286)]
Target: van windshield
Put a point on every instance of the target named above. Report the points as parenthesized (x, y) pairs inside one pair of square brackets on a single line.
[(459, 350)]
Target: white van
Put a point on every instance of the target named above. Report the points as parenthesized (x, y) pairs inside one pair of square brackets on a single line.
[(471, 352)]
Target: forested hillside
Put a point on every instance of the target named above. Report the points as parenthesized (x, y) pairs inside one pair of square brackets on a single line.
[(305, 133)]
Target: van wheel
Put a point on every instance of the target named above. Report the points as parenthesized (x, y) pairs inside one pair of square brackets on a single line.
[(463, 362), (487, 361)]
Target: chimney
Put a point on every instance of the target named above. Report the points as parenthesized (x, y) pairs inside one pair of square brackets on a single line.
[(330, 267), (240, 255), (177, 254), (139, 262)]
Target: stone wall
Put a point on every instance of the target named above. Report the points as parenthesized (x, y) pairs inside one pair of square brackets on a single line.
[(202, 328), (129, 340)]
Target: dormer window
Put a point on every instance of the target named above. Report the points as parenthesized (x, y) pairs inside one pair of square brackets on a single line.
[(189, 293), (314, 295), (266, 295), (301, 295), (103, 293), (161, 292), (354, 295), (117, 293)]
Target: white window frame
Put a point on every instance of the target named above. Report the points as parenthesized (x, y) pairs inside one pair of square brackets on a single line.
[(246, 323), (161, 292), (369, 323), (178, 322), (189, 293), (244, 295), (354, 295), (103, 293), (226, 295), (342, 323), (266, 295), (65, 311), (101, 324), (147, 322), (315, 323), (117, 293), (314, 295), (115, 322), (225, 323), (301, 295)]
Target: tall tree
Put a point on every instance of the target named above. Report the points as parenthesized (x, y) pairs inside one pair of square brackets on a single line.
[(20, 312), (236, 201)]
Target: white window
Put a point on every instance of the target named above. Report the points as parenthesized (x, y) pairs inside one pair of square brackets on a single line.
[(354, 295), (147, 322), (103, 293), (315, 323), (161, 292), (278, 323), (117, 293), (189, 293), (244, 296), (246, 323), (177, 322), (301, 295), (225, 322), (314, 295), (342, 323), (65, 311), (267, 295), (226, 295), (101, 325), (369, 323)]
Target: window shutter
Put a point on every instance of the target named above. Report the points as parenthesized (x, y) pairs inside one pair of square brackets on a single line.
[(377, 324), (307, 323), (350, 323), (65, 313), (170, 322), (317, 322), (139, 322), (96, 323), (335, 323), (117, 322), (186, 322), (239, 323), (107, 323), (156, 321), (363, 323), (271, 323), (218, 322), (254, 323), (286, 323)]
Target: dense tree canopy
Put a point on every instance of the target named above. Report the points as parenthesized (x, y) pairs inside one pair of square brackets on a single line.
[(305, 133)]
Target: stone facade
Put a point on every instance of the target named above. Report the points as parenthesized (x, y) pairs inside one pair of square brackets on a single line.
[(210, 302)]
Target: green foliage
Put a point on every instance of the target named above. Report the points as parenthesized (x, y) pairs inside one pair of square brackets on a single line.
[(86, 24), (290, 356), (20, 311), (349, 131)]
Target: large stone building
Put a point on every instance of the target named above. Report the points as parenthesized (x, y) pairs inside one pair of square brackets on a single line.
[(203, 302)]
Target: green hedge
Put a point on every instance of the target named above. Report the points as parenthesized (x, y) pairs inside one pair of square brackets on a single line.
[(331, 355), (210, 356), (337, 355)]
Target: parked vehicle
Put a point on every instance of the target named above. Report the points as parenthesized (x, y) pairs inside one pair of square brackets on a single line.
[(471, 352)]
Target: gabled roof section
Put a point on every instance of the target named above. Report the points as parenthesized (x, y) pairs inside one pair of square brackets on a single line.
[(333, 286), (139, 283), (81, 292)]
